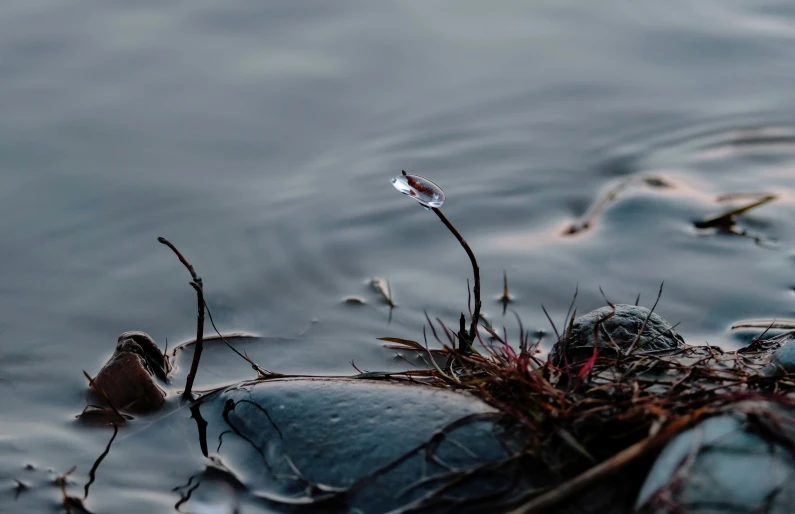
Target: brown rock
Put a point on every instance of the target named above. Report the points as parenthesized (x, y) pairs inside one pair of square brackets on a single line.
[(128, 380)]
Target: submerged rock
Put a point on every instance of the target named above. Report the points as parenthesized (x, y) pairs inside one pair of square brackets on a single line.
[(347, 445), (728, 463), (619, 329), (127, 380)]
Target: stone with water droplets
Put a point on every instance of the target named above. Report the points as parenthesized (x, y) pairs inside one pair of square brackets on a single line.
[(421, 189)]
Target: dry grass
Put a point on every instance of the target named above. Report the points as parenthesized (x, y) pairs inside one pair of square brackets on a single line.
[(589, 419)]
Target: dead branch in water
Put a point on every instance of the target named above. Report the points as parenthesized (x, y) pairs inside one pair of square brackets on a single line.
[(198, 286)]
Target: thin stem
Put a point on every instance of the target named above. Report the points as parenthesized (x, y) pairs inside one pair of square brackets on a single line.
[(182, 259), (475, 270), (198, 285), (197, 353)]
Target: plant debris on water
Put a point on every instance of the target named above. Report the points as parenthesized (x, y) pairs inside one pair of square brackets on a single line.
[(581, 420), (606, 412), (583, 417)]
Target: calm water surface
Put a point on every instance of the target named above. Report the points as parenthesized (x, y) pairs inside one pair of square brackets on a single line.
[(260, 137)]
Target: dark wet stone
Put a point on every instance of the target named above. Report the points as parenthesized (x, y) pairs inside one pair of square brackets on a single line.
[(620, 331), (365, 446), (724, 464), (127, 380), (783, 360)]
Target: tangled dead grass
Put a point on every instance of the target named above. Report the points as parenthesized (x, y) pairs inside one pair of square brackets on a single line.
[(590, 419)]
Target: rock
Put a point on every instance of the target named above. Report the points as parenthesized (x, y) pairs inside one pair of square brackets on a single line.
[(783, 360), (725, 464), (619, 330), (127, 380), (346, 445)]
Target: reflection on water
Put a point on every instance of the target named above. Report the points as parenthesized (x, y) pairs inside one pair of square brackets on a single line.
[(259, 138)]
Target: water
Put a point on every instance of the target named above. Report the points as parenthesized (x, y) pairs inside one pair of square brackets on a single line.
[(259, 139)]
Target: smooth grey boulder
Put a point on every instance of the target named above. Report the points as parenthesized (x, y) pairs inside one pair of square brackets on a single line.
[(617, 332), (725, 464), (346, 445), (783, 360)]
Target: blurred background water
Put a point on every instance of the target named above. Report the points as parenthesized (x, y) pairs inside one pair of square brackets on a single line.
[(260, 138)]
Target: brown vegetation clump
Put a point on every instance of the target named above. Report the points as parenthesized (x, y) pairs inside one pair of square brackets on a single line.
[(594, 417)]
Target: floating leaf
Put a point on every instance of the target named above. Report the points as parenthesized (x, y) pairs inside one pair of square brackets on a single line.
[(414, 345)]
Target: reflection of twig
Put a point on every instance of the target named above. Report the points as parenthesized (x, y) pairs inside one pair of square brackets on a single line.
[(184, 497), (60, 481), (21, 486), (92, 473), (201, 425), (69, 502), (198, 286)]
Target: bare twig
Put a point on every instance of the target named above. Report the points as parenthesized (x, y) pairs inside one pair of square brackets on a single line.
[(61, 481), (198, 286), (93, 471)]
